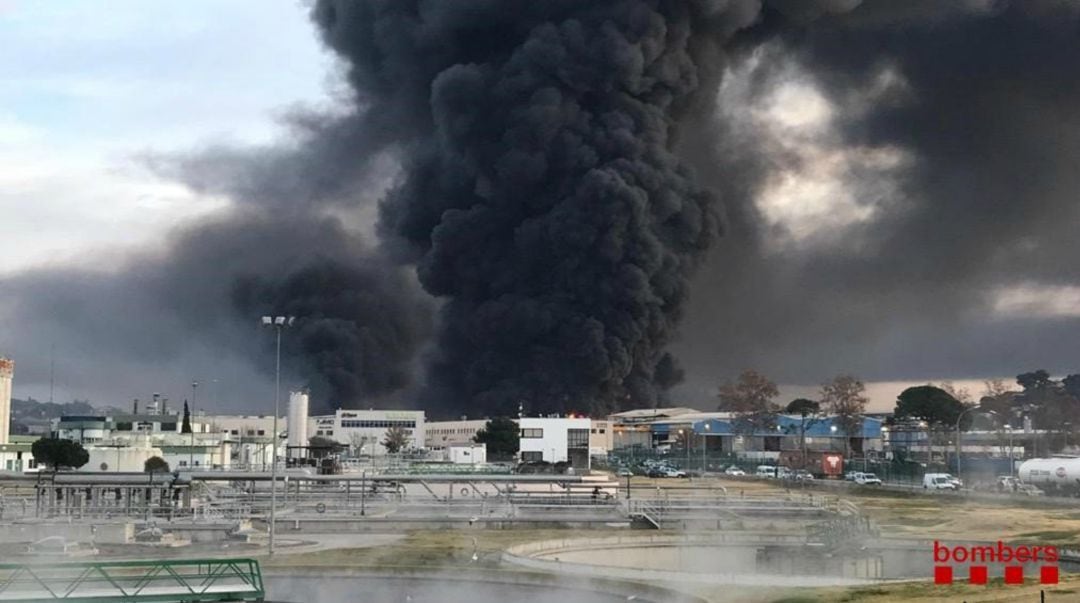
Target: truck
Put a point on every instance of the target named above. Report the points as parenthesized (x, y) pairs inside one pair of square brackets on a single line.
[(1055, 474)]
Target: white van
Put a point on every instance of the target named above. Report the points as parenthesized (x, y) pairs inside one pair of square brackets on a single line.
[(766, 471), (939, 481)]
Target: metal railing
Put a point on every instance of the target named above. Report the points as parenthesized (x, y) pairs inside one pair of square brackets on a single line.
[(185, 581)]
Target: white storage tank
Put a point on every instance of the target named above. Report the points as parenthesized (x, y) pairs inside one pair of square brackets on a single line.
[(7, 373), (297, 425), (1051, 474)]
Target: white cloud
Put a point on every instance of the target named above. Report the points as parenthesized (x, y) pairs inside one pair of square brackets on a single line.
[(1033, 300), (819, 189), (95, 84)]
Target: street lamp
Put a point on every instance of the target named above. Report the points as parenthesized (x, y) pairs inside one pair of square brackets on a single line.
[(686, 444), (278, 323), (959, 445), (704, 447)]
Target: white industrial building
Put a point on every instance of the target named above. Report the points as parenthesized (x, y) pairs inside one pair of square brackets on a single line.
[(123, 442), (555, 440), (363, 431), (441, 435)]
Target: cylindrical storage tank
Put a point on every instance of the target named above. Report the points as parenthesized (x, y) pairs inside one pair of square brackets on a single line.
[(1053, 473), (7, 373), (298, 416)]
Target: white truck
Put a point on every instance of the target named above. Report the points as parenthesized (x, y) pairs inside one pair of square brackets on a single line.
[(940, 481)]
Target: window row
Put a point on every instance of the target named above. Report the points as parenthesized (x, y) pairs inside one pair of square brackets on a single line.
[(378, 424)]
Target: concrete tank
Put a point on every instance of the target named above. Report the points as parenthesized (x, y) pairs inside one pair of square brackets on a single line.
[(297, 425), (1051, 474)]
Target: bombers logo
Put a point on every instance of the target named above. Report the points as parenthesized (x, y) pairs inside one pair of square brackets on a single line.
[(1060, 472), (947, 559)]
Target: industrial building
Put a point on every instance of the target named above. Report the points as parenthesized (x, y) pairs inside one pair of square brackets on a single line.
[(555, 440), (123, 442), (364, 431), (444, 434)]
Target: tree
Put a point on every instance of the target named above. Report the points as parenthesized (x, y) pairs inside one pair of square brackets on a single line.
[(1035, 380), (844, 398), (156, 464), (750, 399), (960, 393), (186, 426), (501, 436), (928, 403), (59, 453), (808, 410), (1072, 385), (396, 439)]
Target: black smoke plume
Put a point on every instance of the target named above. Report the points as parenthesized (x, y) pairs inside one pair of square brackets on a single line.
[(979, 100), (555, 173), (541, 198)]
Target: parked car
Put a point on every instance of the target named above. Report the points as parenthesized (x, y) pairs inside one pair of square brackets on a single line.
[(765, 471), (735, 471), (624, 472), (850, 476), (939, 481), (675, 473), (802, 475), (867, 479), (1010, 484)]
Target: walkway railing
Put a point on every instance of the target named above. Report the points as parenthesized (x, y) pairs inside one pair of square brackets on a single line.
[(183, 581)]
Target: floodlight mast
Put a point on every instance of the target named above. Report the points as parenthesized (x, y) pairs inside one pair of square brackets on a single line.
[(278, 323)]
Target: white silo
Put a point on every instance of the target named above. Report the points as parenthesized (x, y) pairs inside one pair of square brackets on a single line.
[(297, 425), (7, 373)]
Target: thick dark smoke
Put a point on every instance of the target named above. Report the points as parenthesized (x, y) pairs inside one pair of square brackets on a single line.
[(556, 173), (541, 198), (981, 102), (194, 309)]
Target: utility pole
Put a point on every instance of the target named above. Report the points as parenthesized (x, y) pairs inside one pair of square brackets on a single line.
[(278, 323)]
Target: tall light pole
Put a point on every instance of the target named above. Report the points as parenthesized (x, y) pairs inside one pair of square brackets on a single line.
[(959, 445), (278, 323), (704, 446)]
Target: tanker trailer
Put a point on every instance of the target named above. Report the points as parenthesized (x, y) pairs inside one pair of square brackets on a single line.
[(1058, 474)]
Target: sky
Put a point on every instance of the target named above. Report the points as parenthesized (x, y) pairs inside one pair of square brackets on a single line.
[(87, 94), (84, 94)]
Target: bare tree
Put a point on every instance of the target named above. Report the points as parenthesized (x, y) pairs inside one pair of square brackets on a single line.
[(845, 398), (962, 394), (750, 399)]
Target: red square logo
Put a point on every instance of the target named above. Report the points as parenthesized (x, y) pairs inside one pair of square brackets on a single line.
[(1048, 574), (942, 574), (1014, 574), (977, 574)]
